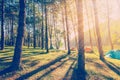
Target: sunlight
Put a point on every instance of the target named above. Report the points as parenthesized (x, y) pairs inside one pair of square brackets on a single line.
[(59, 39)]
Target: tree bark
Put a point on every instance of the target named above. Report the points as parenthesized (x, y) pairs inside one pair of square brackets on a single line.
[(67, 28), (74, 29), (88, 25), (63, 20), (42, 29), (46, 31), (50, 30), (12, 32), (20, 36), (109, 32), (2, 26), (39, 36), (98, 31), (28, 41), (81, 56), (55, 33), (34, 27)]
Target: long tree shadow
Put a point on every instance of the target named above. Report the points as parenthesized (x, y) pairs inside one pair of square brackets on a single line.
[(6, 51), (7, 66), (4, 62), (48, 72), (112, 67), (33, 54), (75, 74), (71, 67), (7, 70), (25, 76), (68, 73), (5, 58)]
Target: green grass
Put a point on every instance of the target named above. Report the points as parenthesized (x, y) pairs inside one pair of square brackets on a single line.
[(30, 57), (97, 69), (33, 59)]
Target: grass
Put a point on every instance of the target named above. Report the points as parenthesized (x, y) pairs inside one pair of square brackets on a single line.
[(100, 70), (37, 65), (30, 57)]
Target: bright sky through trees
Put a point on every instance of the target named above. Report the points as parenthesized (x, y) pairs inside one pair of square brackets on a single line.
[(114, 11)]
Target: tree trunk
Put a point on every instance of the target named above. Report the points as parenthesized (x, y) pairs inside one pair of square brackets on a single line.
[(93, 24), (109, 32), (2, 26), (98, 31), (50, 20), (55, 33), (46, 31), (12, 32), (20, 36), (63, 20), (34, 33), (51, 46), (39, 42), (28, 39), (42, 29), (8, 32), (88, 25), (67, 27), (81, 55), (74, 29)]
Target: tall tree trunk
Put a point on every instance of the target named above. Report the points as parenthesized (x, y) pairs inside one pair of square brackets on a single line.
[(74, 29), (46, 31), (42, 29), (2, 26), (12, 32), (20, 36), (88, 24), (109, 32), (81, 55), (50, 32), (67, 27), (34, 33), (8, 31), (93, 24), (55, 33), (63, 20), (98, 31), (56, 44), (39, 36), (28, 37)]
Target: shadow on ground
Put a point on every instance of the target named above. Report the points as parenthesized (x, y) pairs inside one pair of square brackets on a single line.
[(68, 75), (25, 76), (3, 62), (112, 67)]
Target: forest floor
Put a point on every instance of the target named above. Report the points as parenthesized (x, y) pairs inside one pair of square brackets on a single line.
[(57, 65)]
